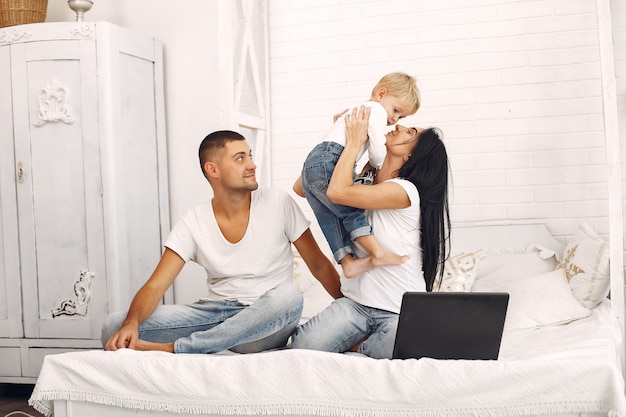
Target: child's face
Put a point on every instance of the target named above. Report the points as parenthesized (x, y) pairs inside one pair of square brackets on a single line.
[(395, 108)]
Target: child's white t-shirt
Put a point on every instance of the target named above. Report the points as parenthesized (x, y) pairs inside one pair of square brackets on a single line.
[(262, 259), (376, 130)]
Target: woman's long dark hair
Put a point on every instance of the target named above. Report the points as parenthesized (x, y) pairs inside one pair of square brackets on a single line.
[(427, 168)]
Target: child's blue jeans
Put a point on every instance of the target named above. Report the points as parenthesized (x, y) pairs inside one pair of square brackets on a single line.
[(340, 224)]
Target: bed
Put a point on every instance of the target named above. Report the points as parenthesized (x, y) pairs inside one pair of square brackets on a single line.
[(561, 354)]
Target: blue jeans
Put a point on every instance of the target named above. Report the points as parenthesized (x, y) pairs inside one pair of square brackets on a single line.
[(213, 326), (340, 224), (344, 324)]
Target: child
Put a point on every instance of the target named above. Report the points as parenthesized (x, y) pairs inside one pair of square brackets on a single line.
[(395, 96)]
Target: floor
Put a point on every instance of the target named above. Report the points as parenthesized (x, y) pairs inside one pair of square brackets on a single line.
[(14, 401)]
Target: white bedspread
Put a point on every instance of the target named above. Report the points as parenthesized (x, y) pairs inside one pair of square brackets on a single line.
[(527, 379)]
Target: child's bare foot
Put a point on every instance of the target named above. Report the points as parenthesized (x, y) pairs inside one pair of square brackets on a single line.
[(355, 266), (389, 259), (164, 347)]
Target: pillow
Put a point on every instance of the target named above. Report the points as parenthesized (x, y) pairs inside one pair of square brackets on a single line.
[(518, 264), (459, 272), (315, 296), (586, 265), (302, 278), (536, 300)]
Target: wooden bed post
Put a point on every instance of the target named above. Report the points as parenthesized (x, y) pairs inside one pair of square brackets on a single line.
[(613, 163)]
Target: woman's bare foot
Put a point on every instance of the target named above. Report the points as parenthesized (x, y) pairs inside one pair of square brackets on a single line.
[(389, 259), (355, 266), (163, 347), (356, 347)]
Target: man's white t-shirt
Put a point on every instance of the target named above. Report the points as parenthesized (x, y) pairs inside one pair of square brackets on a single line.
[(398, 231), (262, 259), (376, 130)]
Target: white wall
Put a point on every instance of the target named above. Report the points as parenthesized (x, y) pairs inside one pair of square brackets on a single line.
[(514, 84)]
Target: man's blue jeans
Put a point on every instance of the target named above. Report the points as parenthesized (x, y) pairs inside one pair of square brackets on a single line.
[(213, 326), (340, 224), (346, 323)]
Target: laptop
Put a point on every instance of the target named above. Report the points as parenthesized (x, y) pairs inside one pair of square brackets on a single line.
[(450, 325)]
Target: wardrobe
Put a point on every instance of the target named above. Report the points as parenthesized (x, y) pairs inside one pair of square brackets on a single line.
[(83, 184)]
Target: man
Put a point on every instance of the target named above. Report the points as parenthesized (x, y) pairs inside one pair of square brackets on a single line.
[(243, 240)]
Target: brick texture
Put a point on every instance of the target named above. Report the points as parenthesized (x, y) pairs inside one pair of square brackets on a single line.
[(514, 85)]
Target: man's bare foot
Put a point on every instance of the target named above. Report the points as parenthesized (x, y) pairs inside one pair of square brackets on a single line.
[(163, 347), (355, 266), (389, 259)]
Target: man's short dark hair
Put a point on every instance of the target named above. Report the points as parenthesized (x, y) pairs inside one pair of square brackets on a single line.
[(213, 143)]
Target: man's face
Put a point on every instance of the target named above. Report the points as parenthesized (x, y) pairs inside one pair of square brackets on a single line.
[(237, 169)]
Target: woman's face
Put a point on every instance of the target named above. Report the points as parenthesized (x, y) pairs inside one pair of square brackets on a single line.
[(401, 140)]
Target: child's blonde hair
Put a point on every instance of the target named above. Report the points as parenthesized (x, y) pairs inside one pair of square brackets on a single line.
[(402, 86)]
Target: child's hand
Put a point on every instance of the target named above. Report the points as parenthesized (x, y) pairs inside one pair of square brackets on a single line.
[(338, 115)]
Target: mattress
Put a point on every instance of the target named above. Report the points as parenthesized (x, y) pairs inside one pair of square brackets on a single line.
[(548, 370)]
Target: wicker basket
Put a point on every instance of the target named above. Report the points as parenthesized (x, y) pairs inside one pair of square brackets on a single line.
[(20, 12)]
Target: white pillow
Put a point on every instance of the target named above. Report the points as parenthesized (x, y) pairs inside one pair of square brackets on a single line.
[(520, 262), (462, 269), (586, 265), (534, 301), (459, 272), (316, 298)]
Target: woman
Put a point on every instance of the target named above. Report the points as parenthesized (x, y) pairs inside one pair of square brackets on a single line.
[(408, 209)]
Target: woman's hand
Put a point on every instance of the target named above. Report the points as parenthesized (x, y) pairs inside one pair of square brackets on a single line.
[(356, 126)]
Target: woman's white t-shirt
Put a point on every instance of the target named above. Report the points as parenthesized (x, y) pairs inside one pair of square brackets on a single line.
[(398, 231), (262, 259)]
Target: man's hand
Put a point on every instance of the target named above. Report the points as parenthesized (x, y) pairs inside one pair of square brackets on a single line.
[(126, 337)]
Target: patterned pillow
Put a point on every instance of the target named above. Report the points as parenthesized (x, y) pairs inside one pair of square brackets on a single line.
[(300, 277), (586, 265), (459, 273)]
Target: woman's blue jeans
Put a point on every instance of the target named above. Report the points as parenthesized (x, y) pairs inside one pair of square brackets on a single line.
[(213, 326), (344, 324), (340, 224)]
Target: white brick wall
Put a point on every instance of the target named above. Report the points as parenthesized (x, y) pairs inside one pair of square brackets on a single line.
[(514, 85)]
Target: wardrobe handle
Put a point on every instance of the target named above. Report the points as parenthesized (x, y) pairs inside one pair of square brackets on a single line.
[(20, 172)]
